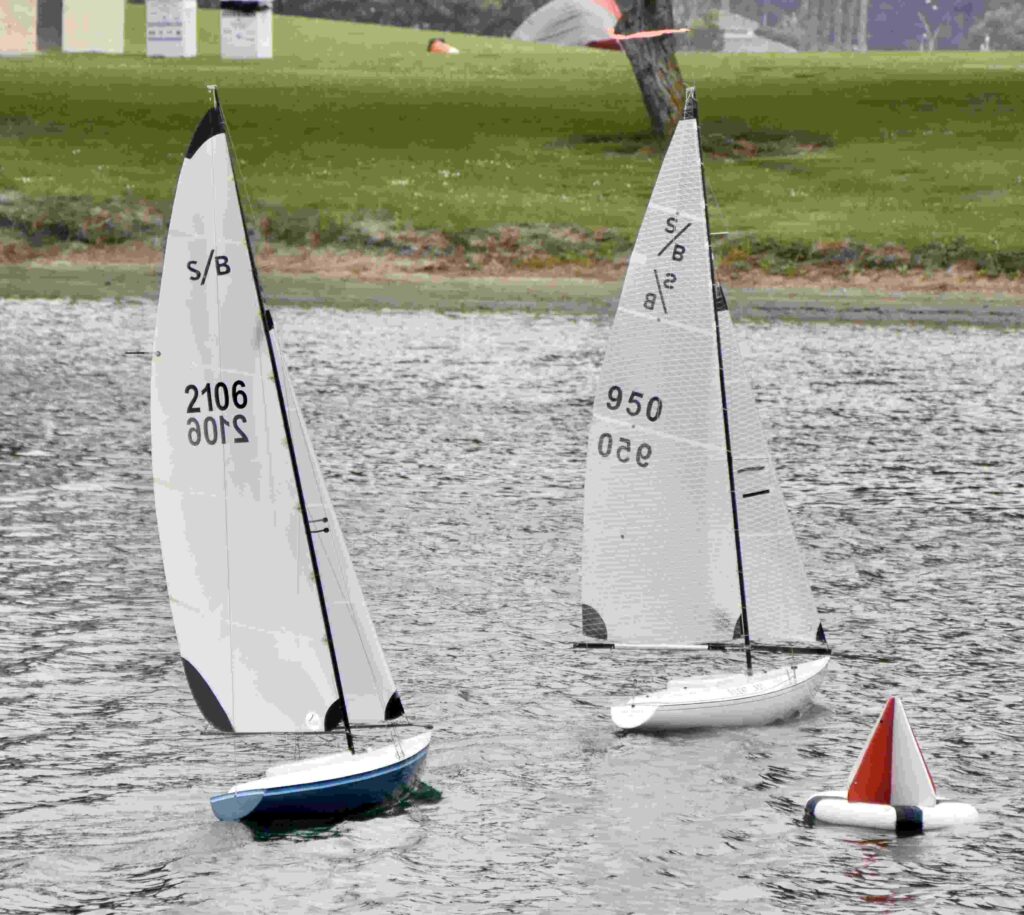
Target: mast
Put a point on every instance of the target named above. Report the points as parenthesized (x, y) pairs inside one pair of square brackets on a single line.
[(718, 300), (268, 325)]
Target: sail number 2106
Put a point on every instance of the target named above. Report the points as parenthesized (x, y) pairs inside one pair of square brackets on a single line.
[(224, 422)]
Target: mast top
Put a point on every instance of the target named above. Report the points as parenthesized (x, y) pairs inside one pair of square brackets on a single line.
[(214, 96), (690, 104)]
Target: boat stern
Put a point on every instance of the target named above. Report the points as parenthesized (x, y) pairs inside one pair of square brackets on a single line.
[(632, 715)]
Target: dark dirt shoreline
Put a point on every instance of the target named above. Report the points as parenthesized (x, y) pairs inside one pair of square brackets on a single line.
[(353, 279)]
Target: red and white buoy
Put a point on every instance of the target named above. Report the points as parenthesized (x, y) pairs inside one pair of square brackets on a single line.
[(891, 787)]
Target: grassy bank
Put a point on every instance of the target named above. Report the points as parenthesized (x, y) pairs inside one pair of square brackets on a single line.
[(353, 136)]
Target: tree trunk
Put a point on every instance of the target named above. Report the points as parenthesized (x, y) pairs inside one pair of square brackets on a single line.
[(862, 30), (810, 25), (654, 62)]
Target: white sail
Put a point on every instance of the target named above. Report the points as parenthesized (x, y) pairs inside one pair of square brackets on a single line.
[(780, 607), (660, 558), (241, 579), (659, 555)]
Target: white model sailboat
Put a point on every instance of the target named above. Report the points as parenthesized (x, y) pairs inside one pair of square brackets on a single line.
[(686, 540), (273, 629)]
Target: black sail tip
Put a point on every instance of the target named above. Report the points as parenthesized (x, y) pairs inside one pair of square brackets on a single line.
[(821, 634), (739, 630), (335, 715), (206, 699), (211, 125), (593, 624), (394, 708)]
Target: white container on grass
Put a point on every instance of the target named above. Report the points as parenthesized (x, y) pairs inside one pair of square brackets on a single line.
[(170, 28), (95, 26), (246, 29), (18, 26)]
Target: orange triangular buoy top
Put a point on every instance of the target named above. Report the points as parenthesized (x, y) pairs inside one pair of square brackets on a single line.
[(891, 768)]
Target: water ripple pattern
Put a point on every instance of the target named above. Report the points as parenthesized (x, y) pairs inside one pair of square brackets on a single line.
[(454, 449)]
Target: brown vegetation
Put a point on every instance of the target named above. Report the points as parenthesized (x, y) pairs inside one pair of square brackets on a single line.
[(503, 257)]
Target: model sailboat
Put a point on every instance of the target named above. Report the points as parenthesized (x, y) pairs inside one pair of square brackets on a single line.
[(274, 633), (686, 541)]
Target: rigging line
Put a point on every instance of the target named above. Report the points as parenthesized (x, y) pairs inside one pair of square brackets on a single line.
[(287, 432), (716, 291)]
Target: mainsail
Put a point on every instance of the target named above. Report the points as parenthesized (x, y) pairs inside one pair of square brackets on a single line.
[(272, 626), (684, 523)]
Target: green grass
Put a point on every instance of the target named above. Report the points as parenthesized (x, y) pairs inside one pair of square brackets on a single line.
[(353, 131)]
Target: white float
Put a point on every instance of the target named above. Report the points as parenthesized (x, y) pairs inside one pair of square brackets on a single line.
[(891, 787)]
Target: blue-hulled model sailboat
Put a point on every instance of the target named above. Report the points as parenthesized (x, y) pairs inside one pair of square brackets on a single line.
[(274, 632)]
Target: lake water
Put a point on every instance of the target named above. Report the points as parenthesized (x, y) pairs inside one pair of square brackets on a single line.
[(454, 449)]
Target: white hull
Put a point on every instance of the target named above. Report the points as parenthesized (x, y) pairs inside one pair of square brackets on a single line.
[(737, 700)]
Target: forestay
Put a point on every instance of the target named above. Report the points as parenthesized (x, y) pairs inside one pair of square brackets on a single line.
[(661, 553), (243, 584)]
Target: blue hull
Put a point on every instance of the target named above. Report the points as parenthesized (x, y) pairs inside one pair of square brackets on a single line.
[(314, 800)]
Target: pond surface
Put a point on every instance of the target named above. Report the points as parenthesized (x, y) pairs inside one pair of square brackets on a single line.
[(454, 449)]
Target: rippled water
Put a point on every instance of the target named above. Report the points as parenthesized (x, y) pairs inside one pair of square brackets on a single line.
[(454, 447)]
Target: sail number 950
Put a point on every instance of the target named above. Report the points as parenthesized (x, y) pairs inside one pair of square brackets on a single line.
[(634, 403), (623, 450), (217, 399)]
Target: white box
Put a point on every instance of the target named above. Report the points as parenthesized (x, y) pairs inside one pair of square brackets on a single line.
[(93, 25), (170, 28), (18, 26), (246, 29)]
